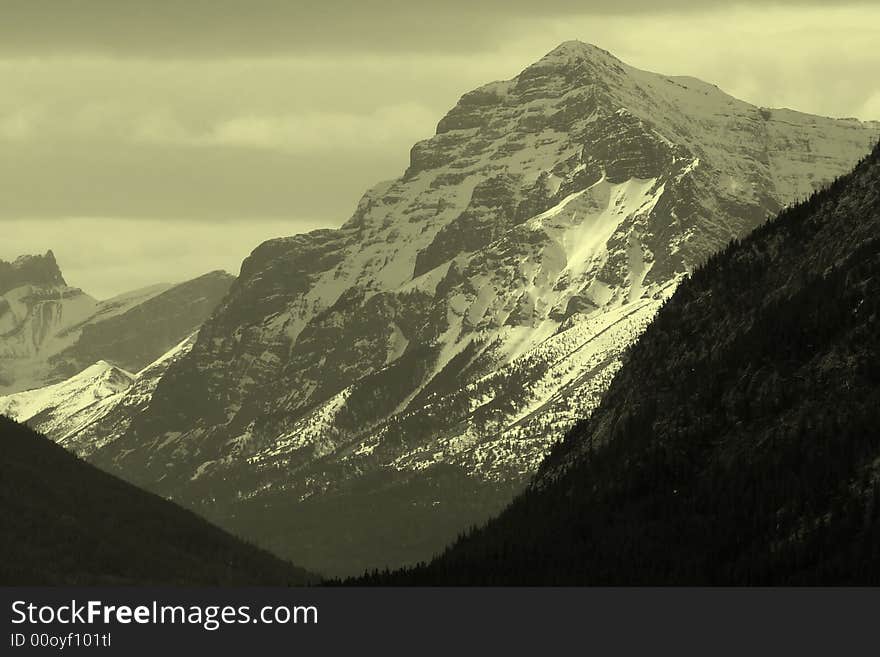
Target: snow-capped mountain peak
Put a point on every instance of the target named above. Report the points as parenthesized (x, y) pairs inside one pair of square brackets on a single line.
[(91, 409), (67, 407)]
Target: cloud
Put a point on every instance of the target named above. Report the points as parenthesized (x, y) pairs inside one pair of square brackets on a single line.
[(302, 132), (212, 184), (195, 28), (307, 132), (16, 125), (210, 140), (182, 28)]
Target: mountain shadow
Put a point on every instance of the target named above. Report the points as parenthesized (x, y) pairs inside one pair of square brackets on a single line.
[(65, 522)]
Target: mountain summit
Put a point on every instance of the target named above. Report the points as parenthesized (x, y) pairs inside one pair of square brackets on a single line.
[(363, 394), (31, 270)]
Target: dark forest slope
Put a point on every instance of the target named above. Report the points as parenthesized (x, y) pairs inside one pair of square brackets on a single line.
[(739, 444), (63, 521)]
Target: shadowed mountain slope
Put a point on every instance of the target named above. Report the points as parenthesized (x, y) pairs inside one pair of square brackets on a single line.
[(138, 336), (66, 522)]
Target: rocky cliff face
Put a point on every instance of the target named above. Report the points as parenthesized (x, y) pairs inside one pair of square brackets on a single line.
[(363, 394), (50, 331), (30, 270), (41, 316)]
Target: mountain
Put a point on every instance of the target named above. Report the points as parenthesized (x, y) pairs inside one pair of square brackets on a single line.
[(93, 408), (362, 395), (135, 338), (65, 522), (40, 316), (50, 331), (30, 270), (738, 444), (65, 409)]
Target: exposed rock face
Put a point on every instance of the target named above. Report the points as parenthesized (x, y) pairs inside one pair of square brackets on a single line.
[(135, 338), (30, 270), (396, 379), (50, 331), (40, 316)]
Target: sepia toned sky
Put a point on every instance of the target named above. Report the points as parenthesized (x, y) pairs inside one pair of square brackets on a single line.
[(148, 142)]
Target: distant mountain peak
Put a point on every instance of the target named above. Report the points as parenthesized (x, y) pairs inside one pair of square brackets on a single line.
[(48, 257), (574, 49), (39, 270)]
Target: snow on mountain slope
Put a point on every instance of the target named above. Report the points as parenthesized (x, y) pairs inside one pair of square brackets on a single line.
[(91, 409), (41, 316), (470, 310), (65, 408), (116, 417), (50, 331)]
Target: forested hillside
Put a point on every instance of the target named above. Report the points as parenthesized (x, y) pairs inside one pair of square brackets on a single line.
[(65, 522)]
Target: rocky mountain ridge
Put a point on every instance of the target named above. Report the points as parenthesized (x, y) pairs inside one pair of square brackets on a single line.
[(30, 270), (422, 359), (89, 410), (50, 331)]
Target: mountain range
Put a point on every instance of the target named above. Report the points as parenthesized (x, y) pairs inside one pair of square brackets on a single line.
[(50, 331), (362, 395), (68, 360)]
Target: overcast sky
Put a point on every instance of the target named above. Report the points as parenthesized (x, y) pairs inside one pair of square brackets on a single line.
[(154, 141)]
